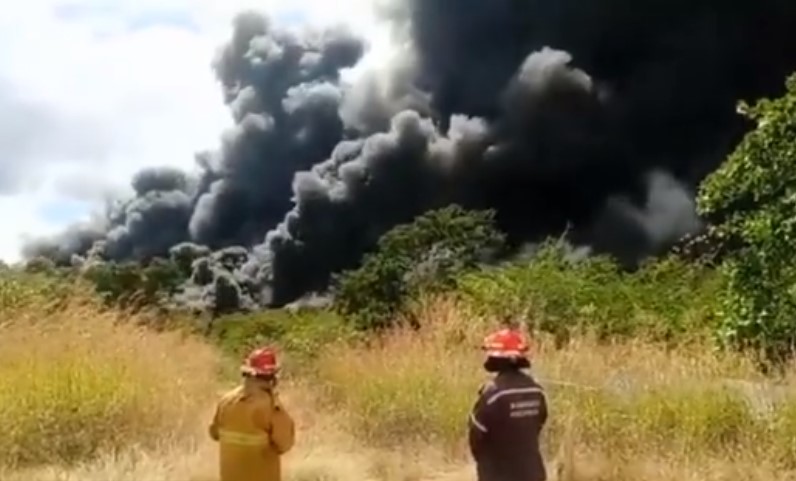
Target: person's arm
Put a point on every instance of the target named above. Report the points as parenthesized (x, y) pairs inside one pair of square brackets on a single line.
[(283, 428), (542, 409), (213, 427), (478, 425)]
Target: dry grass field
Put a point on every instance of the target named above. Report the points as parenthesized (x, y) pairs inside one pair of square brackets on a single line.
[(86, 395)]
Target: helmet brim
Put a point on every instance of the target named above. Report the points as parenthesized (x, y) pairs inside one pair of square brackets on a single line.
[(250, 371), (506, 354)]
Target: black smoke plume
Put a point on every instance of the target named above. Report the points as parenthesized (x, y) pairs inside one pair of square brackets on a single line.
[(599, 118)]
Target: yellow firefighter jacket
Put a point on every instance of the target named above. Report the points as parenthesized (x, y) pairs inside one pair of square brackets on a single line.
[(253, 430)]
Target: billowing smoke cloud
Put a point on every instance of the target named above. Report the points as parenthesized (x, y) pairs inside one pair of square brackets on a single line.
[(282, 90), (284, 95), (599, 116)]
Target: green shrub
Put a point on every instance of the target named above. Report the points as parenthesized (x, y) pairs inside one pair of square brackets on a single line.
[(663, 300), (751, 199), (424, 256), (131, 284), (301, 334), (45, 291)]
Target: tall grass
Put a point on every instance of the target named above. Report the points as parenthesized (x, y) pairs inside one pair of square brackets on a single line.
[(88, 392), (406, 386), (627, 403), (78, 381)]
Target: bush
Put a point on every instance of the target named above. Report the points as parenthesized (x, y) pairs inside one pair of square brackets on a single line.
[(76, 382), (751, 199), (424, 256), (663, 300), (23, 293), (301, 334), (133, 285)]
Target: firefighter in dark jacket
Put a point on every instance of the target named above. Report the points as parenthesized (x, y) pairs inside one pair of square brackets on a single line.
[(509, 414)]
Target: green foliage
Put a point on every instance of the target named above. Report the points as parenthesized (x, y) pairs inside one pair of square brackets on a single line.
[(426, 255), (185, 254), (114, 281), (22, 290), (227, 296), (752, 202), (159, 277), (130, 284), (303, 334), (40, 265), (665, 300)]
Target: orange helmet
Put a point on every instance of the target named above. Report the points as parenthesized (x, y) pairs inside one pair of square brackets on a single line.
[(261, 362), (508, 343)]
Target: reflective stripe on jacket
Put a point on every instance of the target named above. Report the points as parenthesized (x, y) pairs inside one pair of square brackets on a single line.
[(504, 428), (226, 436), (253, 430)]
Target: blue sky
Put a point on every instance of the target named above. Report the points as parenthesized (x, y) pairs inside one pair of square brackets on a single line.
[(63, 210), (80, 12), (91, 91)]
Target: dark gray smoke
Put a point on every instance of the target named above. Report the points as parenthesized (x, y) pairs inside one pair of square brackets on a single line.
[(283, 92), (600, 117), (282, 89)]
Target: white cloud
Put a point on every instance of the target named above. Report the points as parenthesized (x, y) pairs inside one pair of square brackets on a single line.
[(23, 216), (93, 90)]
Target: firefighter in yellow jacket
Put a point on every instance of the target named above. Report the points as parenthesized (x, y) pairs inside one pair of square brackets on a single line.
[(250, 424)]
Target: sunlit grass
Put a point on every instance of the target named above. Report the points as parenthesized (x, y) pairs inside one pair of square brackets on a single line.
[(77, 382), (631, 401)]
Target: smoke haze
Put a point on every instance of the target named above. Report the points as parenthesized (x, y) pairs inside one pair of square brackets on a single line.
[(602, 115)]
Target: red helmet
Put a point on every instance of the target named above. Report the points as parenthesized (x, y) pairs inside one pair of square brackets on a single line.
[(506, 343), (261, 362)]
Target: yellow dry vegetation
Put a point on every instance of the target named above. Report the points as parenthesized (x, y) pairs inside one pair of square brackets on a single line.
[(78, 381), (630, 411), (100, 399)]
